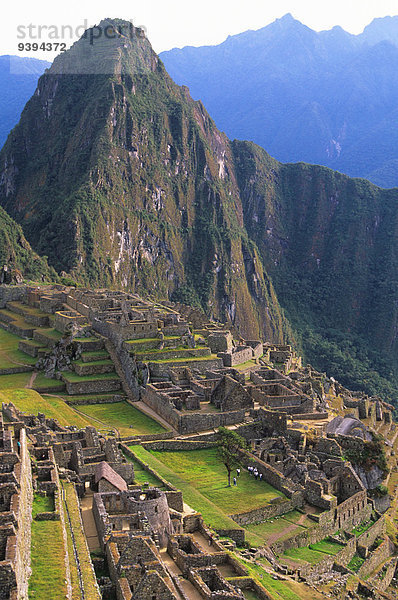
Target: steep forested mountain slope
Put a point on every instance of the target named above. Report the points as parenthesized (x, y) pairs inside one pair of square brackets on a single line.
[(121, 179)]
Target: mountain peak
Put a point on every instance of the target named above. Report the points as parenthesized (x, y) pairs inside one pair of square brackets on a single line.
[(381, 29), (112, 46)]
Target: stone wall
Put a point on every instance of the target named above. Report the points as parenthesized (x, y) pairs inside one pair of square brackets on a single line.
[(193, 422), (273, 477), (162, 369), (270, 511), (343, 557), (238, 356), (382, 553), (11, 293), (384, 577), (15, 529), (115, 346), (368, 537), (177, 445), (247, 583)]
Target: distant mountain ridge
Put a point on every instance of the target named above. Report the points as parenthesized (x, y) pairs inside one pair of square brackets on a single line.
[(327, 98), (18, 80)]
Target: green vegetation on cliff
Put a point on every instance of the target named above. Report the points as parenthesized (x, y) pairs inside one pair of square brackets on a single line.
[(17, 254), (124, 181)]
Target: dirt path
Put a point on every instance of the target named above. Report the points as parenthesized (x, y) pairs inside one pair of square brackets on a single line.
[(275, 536), (31, 380), (5, 355), (90, 529)]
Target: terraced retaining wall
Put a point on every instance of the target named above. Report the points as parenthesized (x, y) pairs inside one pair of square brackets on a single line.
[(280, 507), (384, 551), (313, 571), (366, 539)]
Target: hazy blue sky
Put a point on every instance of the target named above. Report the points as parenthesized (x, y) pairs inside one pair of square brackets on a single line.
[(171, 23)]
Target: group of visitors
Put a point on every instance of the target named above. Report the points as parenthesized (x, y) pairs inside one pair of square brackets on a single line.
[(253, 471)]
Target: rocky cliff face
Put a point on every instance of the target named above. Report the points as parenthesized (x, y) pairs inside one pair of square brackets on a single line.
[(121, 179)]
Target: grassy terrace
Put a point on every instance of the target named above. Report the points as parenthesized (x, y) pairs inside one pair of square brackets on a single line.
[(31, 402), (41, 381), (356, 563), (88, 576), (146, 340), (125, 417), (279, 589), (141, 476), (95, 354), (203, 481), (313, 553), (42, 504), (50, 332), (75, 378), (184, 360), (48, 578), (362, 528), (180, 349), (18, 380), (105, 361), (10, 356), (281, 528), (28, 310)]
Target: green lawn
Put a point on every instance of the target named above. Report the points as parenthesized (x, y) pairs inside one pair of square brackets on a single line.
[(141, 476), (8, 341), (72, 377), (47, 581), (31, 402), (315, 552), (204, 471), (10, 356), (16, 358), (362, 528), (41, 381), (278, 525), (42, 504), (327, 547), (19, 380), (203, 482), (275, 588), (356, 563), (121, 415), (212, 514), (304, 555)]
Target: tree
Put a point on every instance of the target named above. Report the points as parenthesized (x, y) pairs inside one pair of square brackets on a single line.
[(229, 445)]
